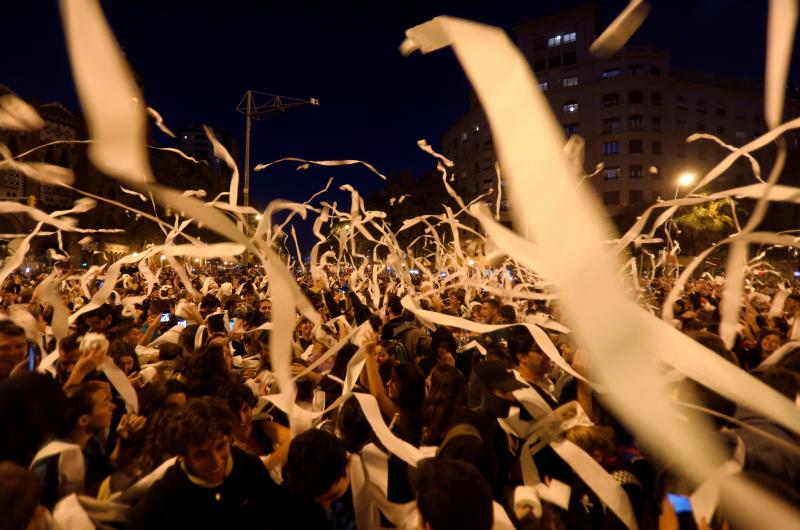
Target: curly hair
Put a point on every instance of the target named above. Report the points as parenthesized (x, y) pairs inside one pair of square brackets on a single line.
[(201, 419), (317, 460), (159, 440)]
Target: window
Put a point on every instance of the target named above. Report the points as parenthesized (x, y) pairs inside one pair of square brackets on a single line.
[(635, 96), (740, 135), (569, 58), (570, 81), (571, 106), (568, 37), (721, 112), (635, 146), (636, 171), (701, 127), (635, 122), (636, 69), (680, 102), (543, 86), (611, 100), (655, 70), (656, 120), (554, 62), (635, 196), (554, 41), (656, 98), (611, 173), (609, 74), (611, 125), (701, 106), (656, 147), (610, 148), (611, 197), (571, 128), (539, 65)]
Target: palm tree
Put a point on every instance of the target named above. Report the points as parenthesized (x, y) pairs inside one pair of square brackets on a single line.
[(705, 224)]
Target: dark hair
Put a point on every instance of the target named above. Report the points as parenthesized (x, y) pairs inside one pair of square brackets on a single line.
[(791, 361), (119, 348), (339, 368), (494, 302), (520, 342), (394, 304), (507, 313), (9, 329), (209, 302), (188, 335), (442, 335), (452, 495), (159, 439), (317, 460), (70, 342), (207, 371), (238, 395), (202, 419), (20, 495), (412, 387), (714, 342), (447, 394), (780, 379), (79, 403), (353, 426), (167, 351)]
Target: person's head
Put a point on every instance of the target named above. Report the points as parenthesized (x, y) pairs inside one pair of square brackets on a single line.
[(769, 340), (250, 297), (448, 393), (13, 347), (531, 361), (444, 346), (792, 305), (175, 392), (496, 386), (394, 308), (208, 304), (352, 426), (99, 319), (189, 338), (385, 350), (714, 342), (241, 401), (20, 498), (406, 387), (305, 327), (507, 314), (89, 409), (452, 495), (207, 371), (597, 441), (124, 356), (317, 467), (265, 307), (203, 434), (489, 310)]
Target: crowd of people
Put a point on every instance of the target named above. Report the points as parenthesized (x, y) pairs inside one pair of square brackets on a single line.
[(199, 443)]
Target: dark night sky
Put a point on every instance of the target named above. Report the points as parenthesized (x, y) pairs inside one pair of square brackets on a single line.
[(198, 58)]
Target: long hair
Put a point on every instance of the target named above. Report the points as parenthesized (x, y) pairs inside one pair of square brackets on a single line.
[(448, 393), (412, 387)]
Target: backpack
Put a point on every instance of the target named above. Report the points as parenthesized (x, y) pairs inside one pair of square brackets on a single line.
[(462, 429)]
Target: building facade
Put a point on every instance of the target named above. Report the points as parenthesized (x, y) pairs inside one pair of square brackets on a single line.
[(634, 111)]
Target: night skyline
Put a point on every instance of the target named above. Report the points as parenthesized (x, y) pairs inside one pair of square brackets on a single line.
[(196, 62)]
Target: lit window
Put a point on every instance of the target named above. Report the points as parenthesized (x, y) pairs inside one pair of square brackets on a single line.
[(612, 173), (740, 135), (611, 125), (611, 148), (543, 86), (635, 122), (570, 81), (554, 41), (571, 106), (608, 74), (636, 171), (569, 37)]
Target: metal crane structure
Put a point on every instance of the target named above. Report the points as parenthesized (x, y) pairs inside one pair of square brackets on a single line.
[(268, 104)]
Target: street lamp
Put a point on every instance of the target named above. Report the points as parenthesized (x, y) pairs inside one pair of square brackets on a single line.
[(686, 179)]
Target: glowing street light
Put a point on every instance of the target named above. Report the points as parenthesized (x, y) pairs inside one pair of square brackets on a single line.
[(686, 179), (258, 217)]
